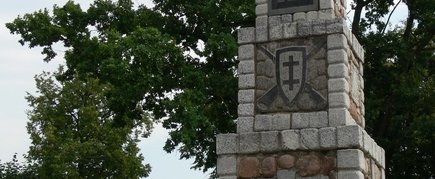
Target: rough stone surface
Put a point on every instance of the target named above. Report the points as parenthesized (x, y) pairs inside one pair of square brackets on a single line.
[(226, 144), (290, 139), (310, 138), (246, 35), (261, 9), (225, 165), (318, 119), (268, 167), (249, 142), (262, 34), (260, 1), (339, 117), (261, 21), (337, 56), (351, 159), (326, 14), (337, 25), (349, 136), (246, 67), (328, 137), (287, 18), (300, 120), (290, 30), (276, 32), (246, 52), (305, 29), (338, 85), (280, 121), (270, 142), (319, 28), (328, 165), (326, 4), (299, 16), (353, 174), (245, 124), (286, 161), (338, 71), (308, 165), (339, 100), (246, 96), (246, 81), (286, 174), (228, 177), (263, 122), (249, 167), (337, 41), (312, 15), (246, 110)]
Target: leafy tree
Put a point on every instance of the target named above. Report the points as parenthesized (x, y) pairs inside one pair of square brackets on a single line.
[(86, 122), (74, 133), (16, 170)]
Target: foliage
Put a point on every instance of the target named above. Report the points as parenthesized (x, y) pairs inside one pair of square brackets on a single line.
[(400, 86), (190, 53), (86, 122), (16, 170)]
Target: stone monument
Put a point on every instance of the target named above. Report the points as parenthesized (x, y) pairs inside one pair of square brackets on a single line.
[(301, 99)]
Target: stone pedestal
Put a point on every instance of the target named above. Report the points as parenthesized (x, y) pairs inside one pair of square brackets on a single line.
[(301, 99)]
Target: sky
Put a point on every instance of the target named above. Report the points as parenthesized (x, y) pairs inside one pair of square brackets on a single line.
[(18, 66)]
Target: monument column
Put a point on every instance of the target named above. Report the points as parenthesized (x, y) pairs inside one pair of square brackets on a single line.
[(301, 98)]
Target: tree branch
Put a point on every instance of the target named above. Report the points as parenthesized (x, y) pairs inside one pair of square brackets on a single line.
[(389, 17)]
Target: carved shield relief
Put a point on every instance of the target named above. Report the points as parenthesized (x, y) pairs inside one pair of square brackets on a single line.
[(291, 77)]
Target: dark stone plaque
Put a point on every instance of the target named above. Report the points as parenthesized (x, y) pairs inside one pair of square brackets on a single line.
[(277, 7)]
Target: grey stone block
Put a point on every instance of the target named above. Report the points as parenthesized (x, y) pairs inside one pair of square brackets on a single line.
[(352, 174), (299, 16), (227, 165), (328, 138), (270, 142), (246, 52), (262, 34), (290, 30), (351, 159), (280, 121), (366, 142), (310, 139), (246, 35), (312, 15), (300, 120), (326, 14), (246, 110), (286, 174), (338, 56), (319, 28), (246, 67), (290, 140), (246, 81), (261, 9), (227, 144), (349, 136), (337, 25), (276, 32), (305, 29), (339, 100), (263, 122), (245, 124), (337, 41), (274, 20), (318, 119), (382, 153), (338, 85), (340, 117), (287, 18), (249, 142), (261, 21), (326, 4), (338, 71), (246, 96)]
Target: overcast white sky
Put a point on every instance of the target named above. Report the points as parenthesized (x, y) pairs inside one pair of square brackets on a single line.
[(18, 65)]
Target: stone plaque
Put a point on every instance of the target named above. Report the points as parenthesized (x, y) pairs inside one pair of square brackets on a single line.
[(292, 76), (277, 7)]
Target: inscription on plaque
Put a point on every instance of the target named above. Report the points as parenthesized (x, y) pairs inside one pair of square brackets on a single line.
[(277, 7)]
